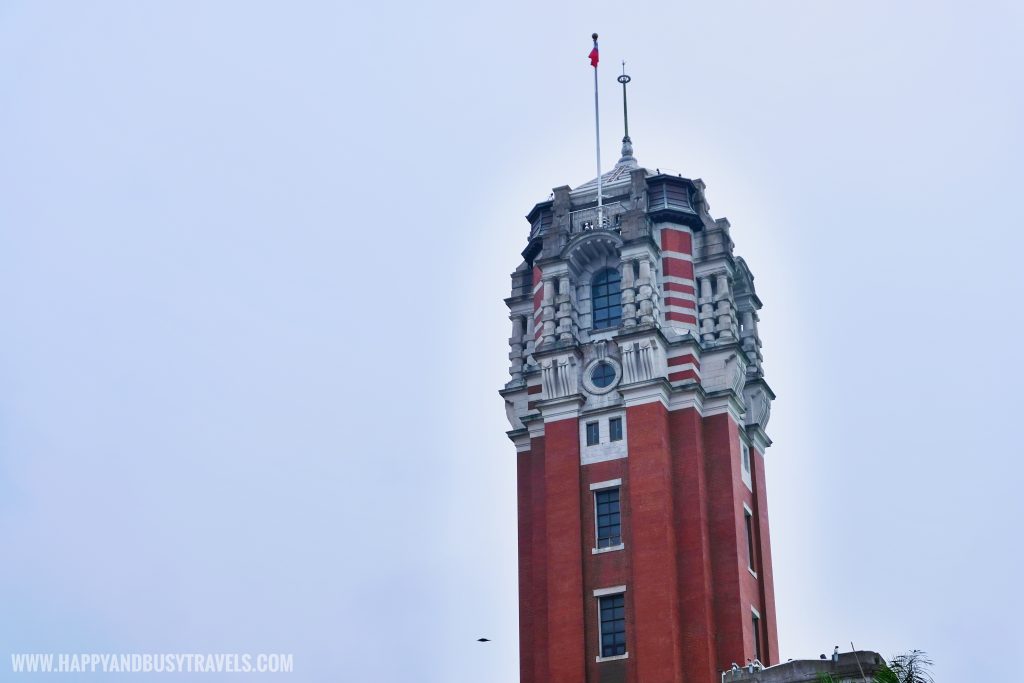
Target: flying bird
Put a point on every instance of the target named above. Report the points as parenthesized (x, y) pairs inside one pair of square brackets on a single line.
[(483, 640)]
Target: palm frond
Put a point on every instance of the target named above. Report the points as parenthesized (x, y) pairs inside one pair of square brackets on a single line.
[(912, 667)]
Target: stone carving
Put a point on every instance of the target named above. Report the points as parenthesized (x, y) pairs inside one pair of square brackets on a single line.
[(628, 294), (735, 373), (640, 361), (547, 316), (716, 313), (758, 404), (566, 327), (645, 294), (517, 345), (723, 310), (559, 377)]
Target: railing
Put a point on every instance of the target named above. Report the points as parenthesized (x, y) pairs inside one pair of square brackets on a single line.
[(587, 219)]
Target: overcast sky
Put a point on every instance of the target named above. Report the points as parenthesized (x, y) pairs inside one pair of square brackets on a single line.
[(252, 263)]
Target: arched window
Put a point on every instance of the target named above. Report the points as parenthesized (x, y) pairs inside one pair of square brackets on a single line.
[(606, 299)]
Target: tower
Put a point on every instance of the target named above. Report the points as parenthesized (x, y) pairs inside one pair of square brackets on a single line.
[(638, 410)]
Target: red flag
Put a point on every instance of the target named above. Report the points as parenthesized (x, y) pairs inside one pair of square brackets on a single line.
[(593, 53)]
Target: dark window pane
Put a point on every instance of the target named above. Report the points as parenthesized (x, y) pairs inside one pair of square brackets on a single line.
[(606, 299), (608, 518), (615, 429), (756, 624), (593, 433), (749, 524), (613, 625), (603, 375)]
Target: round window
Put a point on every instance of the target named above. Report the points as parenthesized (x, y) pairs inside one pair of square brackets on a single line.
[(603, 375)]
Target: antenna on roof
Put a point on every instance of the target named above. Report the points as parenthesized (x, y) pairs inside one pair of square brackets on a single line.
[(594, 58), (627, 144)]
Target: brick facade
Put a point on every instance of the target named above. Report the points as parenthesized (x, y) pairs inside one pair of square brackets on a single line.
[(680, 371)]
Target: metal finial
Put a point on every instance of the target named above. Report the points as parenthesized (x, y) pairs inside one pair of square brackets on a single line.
[(627, 144)]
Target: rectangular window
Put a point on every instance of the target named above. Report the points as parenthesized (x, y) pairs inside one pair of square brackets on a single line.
[(755, 621), (609, 527), (748, 521), (613, 625), (615, 429), (745, 465), (593, 434)]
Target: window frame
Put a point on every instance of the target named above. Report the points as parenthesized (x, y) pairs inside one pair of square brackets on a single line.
[(595, 489), (755, 624), (748, 523), (613, 434), (602, 279), (596, 425), (746, 466), (603, 497), (611, 593)]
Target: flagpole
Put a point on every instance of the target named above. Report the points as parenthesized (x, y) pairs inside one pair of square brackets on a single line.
[(597, 135)]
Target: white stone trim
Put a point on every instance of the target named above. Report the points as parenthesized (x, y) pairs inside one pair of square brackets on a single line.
[(598, 551), (717, 266), (639, 394), (723, 404), (605, 484), (588, 383), (690, 399), (610, 659), (672, 308), (679, 280), (758, 439), (522, 442), (561, 408), (755, 612), (746, 473), (611, 590), (682, 255), (605, 449), (673, 294)]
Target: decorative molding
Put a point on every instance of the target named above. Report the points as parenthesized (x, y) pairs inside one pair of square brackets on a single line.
[(563, 408)]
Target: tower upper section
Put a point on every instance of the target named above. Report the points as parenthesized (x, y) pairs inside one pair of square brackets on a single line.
[(644, 289)]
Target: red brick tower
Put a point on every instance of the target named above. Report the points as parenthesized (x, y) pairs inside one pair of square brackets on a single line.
[(638, 409)]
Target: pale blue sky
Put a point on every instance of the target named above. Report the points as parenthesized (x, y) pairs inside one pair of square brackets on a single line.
[(252, 262)]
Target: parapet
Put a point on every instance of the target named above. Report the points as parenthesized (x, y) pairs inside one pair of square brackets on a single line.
[(849, 667)]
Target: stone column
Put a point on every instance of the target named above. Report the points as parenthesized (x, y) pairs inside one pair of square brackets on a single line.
[(723, 311), (707, 311), (628, 289), (646, 293), (548, 312)]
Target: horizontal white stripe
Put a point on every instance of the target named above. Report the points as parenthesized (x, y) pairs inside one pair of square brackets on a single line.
[(678, 280), (679, 309), (676, 254)]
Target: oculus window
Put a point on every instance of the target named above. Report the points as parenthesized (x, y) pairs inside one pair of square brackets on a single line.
[(603, 375)]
